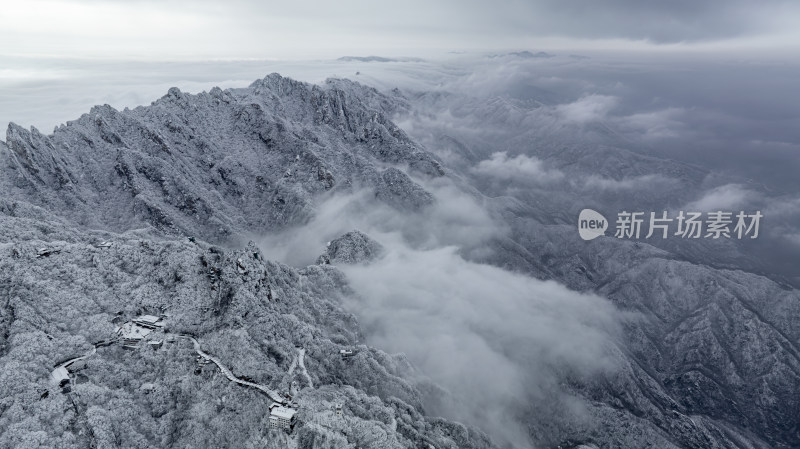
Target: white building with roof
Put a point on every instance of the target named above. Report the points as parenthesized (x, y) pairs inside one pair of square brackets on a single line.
[(281, 417), (59, 377), (149, 321)]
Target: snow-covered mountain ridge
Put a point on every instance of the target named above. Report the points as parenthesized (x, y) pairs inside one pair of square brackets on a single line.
[(218, 163)]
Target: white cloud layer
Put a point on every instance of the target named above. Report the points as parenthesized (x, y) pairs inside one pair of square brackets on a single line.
[(494, 340)]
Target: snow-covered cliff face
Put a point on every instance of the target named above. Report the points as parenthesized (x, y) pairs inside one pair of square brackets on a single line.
[(221, 163), (692, 356)]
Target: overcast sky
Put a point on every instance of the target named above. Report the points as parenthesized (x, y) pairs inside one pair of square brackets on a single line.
[(201, 29)]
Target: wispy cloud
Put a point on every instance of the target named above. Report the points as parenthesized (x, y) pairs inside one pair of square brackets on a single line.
[(652, 125), (522, 168), (458, 219), (725, 198), (590, 108), (652, 181)]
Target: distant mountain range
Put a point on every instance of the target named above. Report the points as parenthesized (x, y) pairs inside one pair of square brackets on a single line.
[(378, 59)]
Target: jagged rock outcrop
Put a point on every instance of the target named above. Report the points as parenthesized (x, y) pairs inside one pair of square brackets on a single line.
[(353, 247)]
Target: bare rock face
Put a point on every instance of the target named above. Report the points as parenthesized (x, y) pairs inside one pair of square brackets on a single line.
[(351, 248)]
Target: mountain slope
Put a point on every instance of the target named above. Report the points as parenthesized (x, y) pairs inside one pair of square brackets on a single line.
[(251, 313), (219, 163)]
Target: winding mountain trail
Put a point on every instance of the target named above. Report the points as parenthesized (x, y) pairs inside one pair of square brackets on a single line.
[(83, 357), (293, 366), (227, 372)]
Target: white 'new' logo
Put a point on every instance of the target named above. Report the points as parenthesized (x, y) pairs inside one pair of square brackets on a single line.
[(591, 224)]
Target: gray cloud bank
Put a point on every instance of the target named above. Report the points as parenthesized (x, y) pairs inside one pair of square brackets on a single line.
[(495, 341), (246, 29), (671, 21)]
